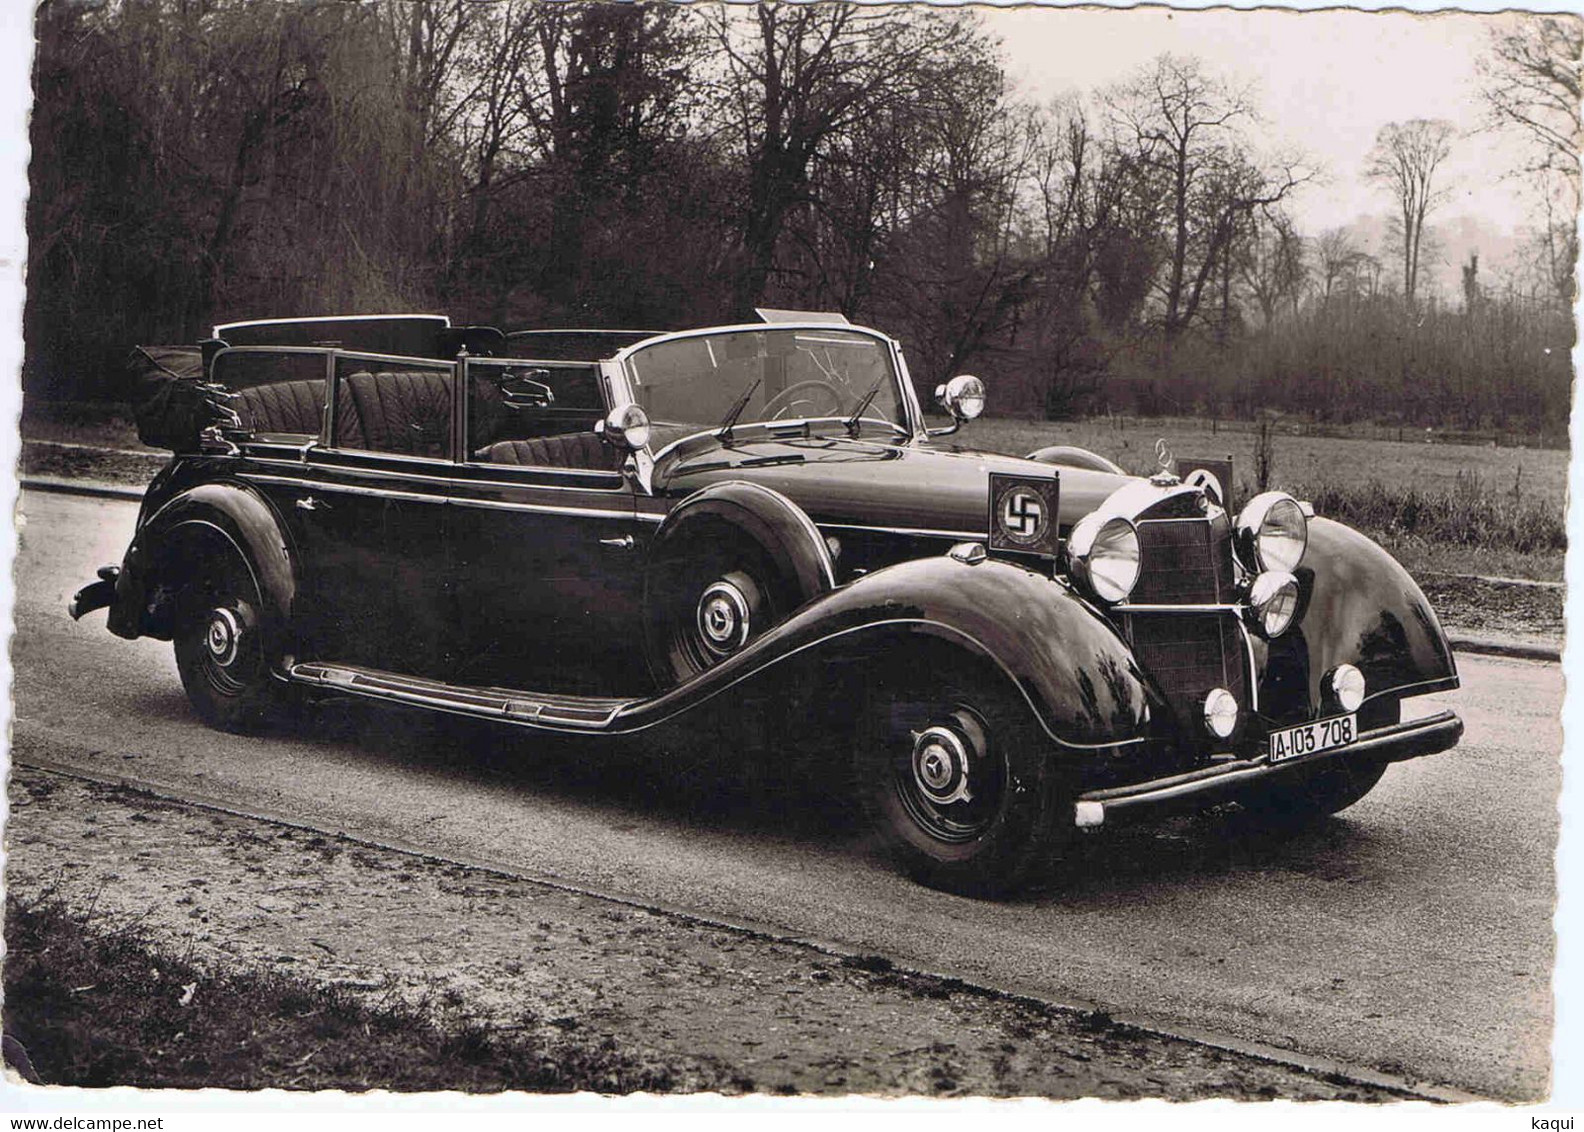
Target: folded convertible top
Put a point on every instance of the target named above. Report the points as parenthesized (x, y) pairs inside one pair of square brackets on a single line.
[(170, 402)]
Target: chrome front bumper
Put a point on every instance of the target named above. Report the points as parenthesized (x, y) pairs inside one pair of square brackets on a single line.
[(95, 595), (1203, 787)]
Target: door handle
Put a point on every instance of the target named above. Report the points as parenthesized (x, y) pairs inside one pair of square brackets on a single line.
[(625, 542), (309, 503)]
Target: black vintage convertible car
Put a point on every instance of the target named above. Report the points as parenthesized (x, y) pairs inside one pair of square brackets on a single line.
[(606, 532)]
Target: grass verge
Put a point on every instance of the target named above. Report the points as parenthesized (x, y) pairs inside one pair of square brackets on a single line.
[(96, 1004), (1464, 513)]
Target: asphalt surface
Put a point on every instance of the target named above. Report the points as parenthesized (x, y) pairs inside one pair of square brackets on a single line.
[(1411, 936)]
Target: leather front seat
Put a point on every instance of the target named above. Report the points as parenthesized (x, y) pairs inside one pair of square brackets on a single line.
[(571, 450)]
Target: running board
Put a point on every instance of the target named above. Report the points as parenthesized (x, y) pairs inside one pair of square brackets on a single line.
[(533, 709)]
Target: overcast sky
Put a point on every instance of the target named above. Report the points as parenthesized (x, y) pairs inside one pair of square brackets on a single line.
[(1325, 81)]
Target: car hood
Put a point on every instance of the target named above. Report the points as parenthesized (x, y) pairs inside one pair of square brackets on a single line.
[(890, 484)]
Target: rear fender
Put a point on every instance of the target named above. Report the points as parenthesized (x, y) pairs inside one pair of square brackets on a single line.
[(1363, 609), (773, 521), (165, 552), (1077, 675)]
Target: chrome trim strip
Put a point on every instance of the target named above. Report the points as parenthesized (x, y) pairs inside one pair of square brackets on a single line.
[(1253, 674), (915, 532), (441, 500), (466, 701), (736, 327), (618, 481), (1159, 607), (416, 362), (500, 505), (444, 320), (375, 454)]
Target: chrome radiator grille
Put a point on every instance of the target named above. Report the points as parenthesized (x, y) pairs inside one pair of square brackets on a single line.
[(1190, 653), (1185, 562)]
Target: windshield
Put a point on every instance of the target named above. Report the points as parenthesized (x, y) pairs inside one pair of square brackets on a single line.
[(786, 374)]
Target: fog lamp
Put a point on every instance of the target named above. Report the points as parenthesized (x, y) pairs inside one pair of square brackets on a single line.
[(1343, 687), (1221, 713), (1273, 603)]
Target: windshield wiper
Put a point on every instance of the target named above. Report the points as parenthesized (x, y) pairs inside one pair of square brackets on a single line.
[(724, 429), (857, 414)]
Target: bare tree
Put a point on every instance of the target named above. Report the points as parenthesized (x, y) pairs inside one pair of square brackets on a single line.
[(1272, 265), (1336, 261), (1530, 82), (1185, 125), (1405, 160), (799, 76)]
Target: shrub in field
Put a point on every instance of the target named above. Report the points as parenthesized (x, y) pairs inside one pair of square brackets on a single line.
[(1465, 513)]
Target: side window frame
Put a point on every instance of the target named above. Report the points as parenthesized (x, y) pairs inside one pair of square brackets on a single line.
[(334, 362), (599, 411), (214, 372)]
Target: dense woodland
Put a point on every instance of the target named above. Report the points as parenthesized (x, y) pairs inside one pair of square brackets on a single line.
[(1129, 249)]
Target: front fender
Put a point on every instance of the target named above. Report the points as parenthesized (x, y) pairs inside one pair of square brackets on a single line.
[(1363, 609), (160, 560), (1078, 677)]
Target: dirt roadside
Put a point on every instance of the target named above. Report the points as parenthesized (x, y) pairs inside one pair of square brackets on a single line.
[(717, 1009)]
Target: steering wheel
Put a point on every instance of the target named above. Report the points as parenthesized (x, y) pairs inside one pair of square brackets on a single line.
[(815, 391)]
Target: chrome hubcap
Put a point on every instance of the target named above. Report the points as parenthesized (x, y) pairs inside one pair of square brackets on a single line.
[(223, 636), (940, 765), (724, 622)]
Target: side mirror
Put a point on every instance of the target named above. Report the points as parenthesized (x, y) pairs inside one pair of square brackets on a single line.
[(626, 426), (963, 397)]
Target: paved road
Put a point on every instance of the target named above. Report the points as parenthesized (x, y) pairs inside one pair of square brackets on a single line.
[(1413, 935)]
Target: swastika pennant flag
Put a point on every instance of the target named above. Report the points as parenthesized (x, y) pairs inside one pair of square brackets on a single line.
[(1024, 513)]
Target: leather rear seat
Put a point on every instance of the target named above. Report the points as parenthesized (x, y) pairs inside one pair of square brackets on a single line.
[(406, 412), (287, 406)]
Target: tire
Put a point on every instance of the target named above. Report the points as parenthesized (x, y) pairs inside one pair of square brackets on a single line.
[(1312, 797), (916, 739), (708, 605), (220, 650)]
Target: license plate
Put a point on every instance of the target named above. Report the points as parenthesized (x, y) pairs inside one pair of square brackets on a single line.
[(1310, 738)]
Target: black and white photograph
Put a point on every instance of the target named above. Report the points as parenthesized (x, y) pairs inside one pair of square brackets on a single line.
[(788, 550)]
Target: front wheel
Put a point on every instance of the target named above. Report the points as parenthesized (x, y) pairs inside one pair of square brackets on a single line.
[(957, 778), (220, 651)]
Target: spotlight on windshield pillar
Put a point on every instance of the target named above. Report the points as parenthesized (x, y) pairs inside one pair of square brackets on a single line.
[(963, 397)]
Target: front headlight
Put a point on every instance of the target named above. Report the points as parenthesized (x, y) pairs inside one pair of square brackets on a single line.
[(1272, 533), (1105, 556)]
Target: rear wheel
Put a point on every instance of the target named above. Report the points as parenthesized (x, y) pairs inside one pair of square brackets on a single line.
[(957, 778), (219, 647), (709, 605)]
